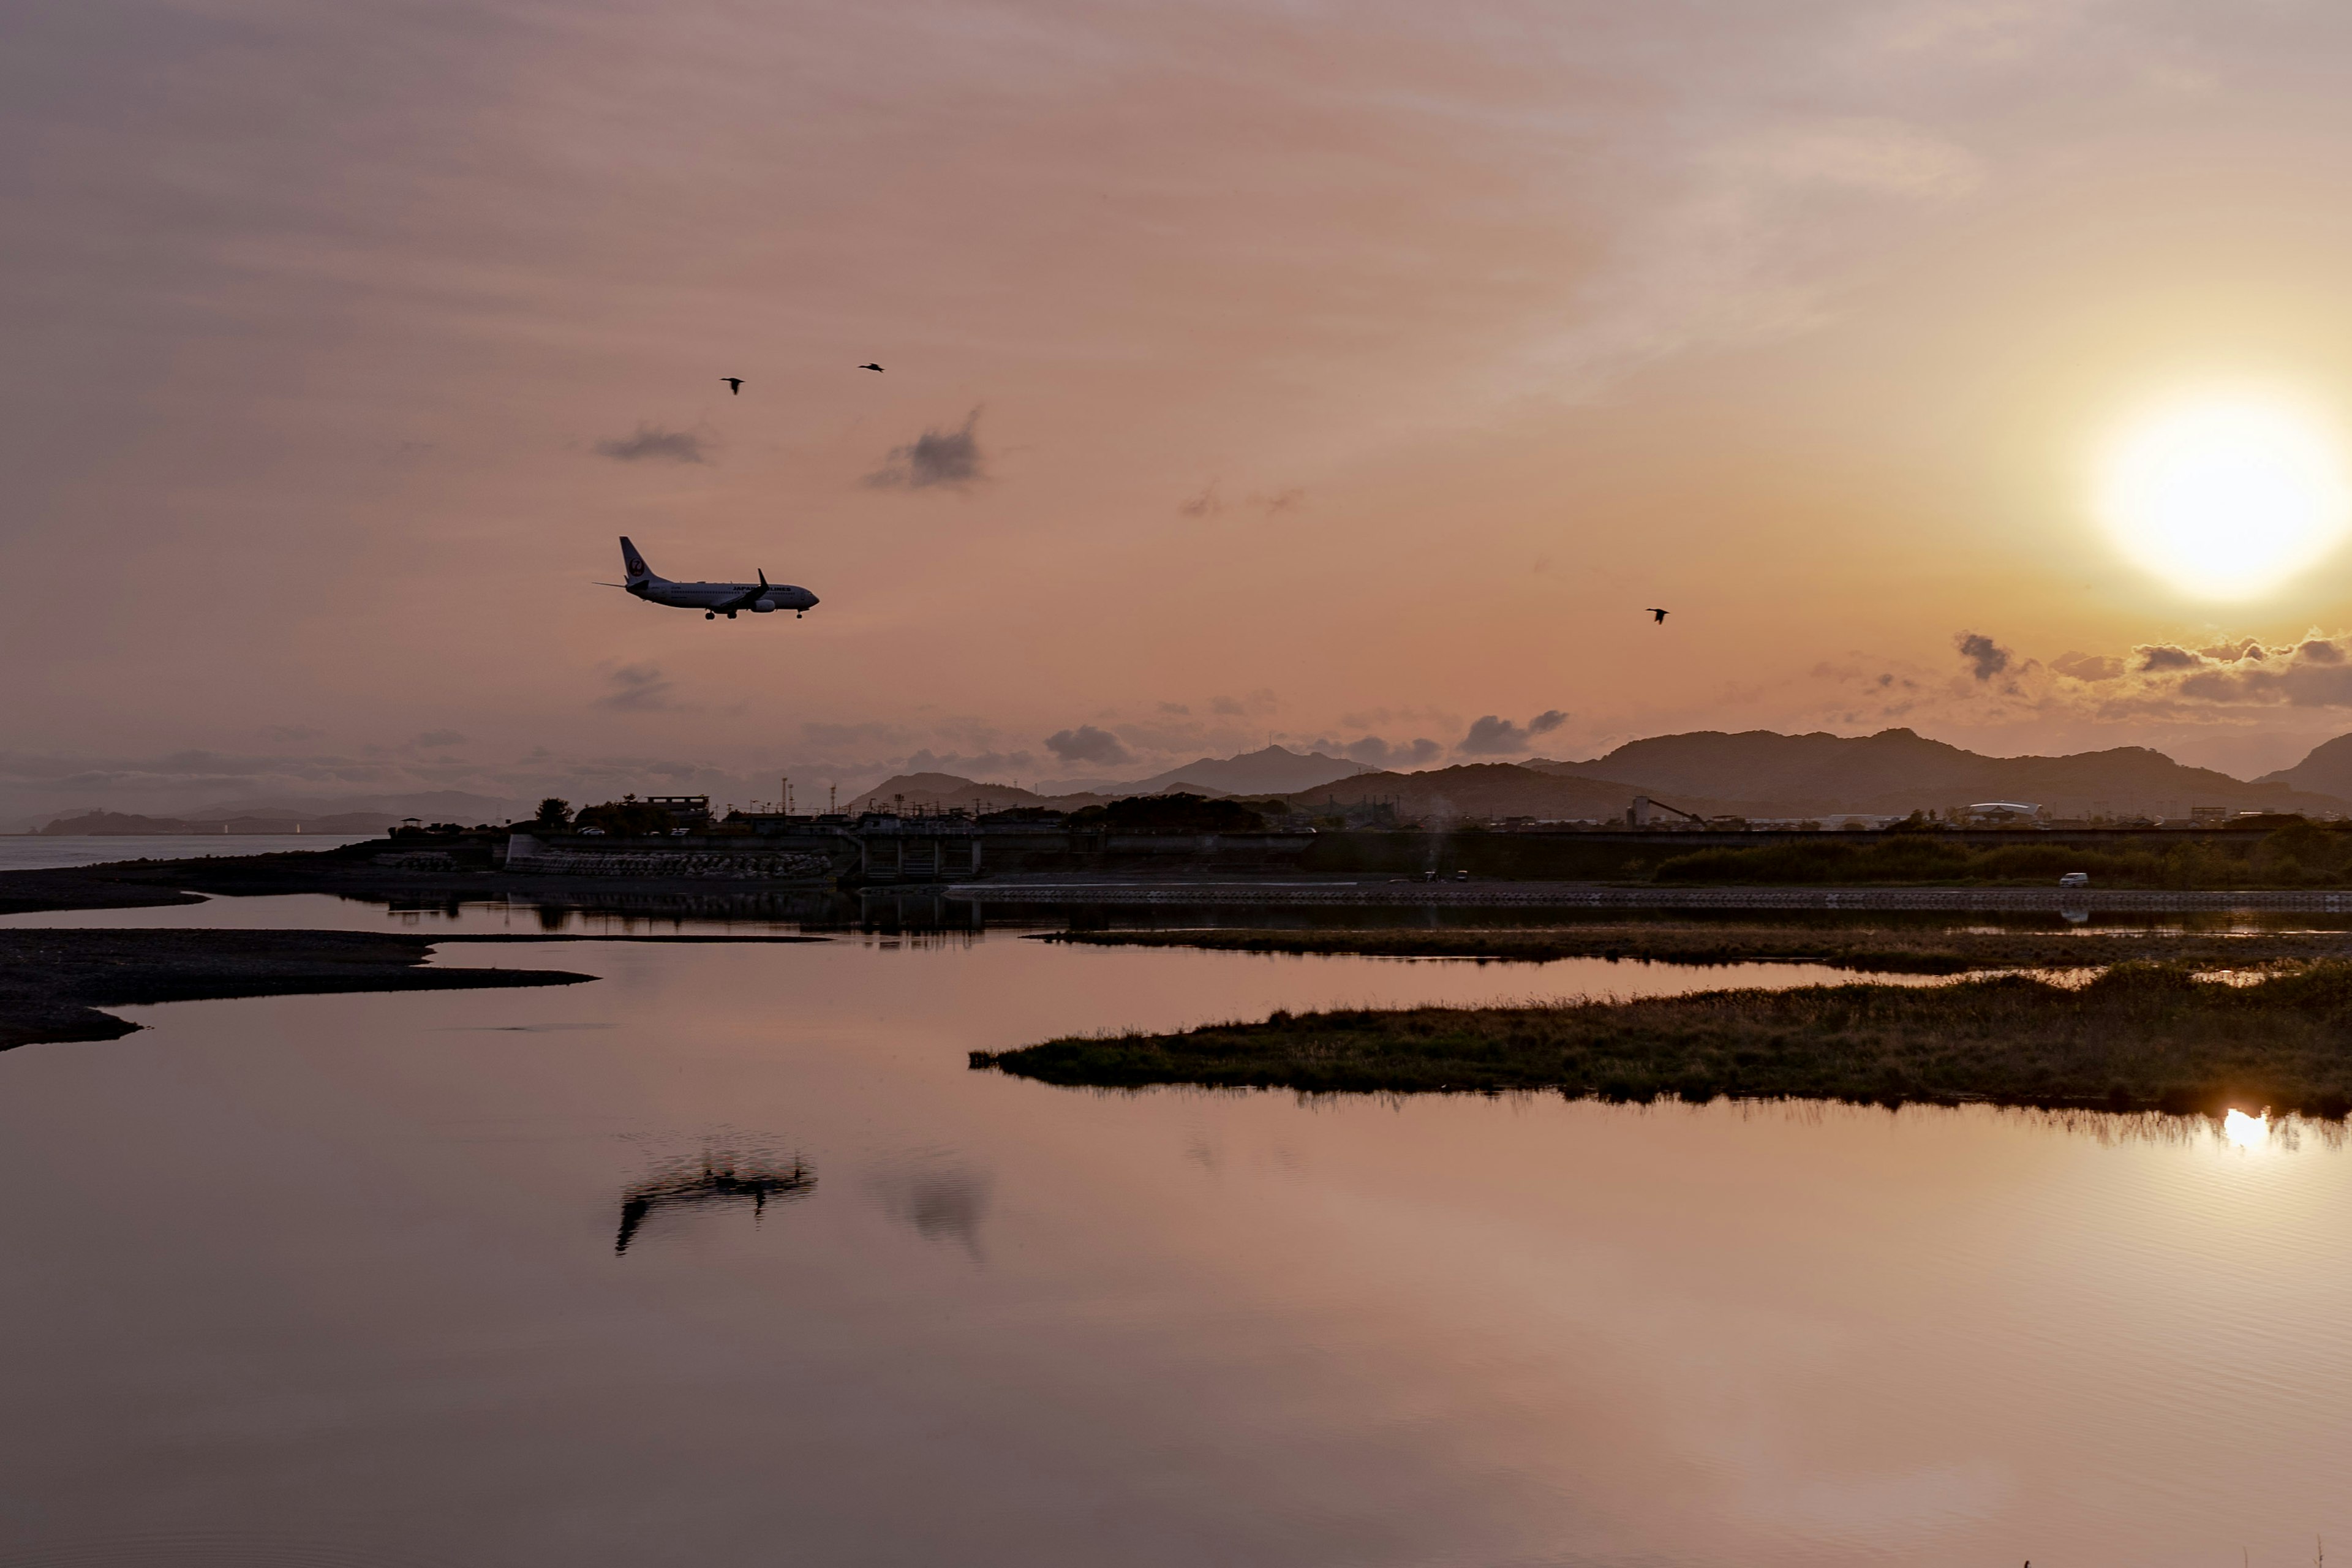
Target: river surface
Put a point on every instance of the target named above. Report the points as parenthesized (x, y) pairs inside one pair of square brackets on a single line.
[(729, 1258)]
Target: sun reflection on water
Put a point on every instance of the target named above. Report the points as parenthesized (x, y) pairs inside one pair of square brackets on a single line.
[(2244, 1131)]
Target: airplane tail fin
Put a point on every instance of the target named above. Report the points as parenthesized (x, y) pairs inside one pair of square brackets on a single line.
[(637, 569)]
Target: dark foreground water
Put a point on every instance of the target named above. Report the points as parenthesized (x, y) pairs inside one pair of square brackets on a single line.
[(728, 1257)]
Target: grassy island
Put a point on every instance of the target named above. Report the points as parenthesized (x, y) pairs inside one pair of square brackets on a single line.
[(1870, 949), (2138, 1037)]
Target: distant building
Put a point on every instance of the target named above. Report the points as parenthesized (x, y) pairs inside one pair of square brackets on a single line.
[(686, 810)]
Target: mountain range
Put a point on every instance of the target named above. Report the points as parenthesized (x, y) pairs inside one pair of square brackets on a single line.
[(1755, 773), (1898, 771)]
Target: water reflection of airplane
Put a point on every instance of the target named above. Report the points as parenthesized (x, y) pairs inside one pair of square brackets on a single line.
[(713, 1182)]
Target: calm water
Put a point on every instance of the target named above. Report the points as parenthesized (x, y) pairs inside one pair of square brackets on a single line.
[(36, 852), (342, 1280)]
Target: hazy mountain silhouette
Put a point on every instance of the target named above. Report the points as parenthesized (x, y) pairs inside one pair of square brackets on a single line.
[(1898, 771), (1273, 769), (1756, 773), (2327, 770), (1497, 790)]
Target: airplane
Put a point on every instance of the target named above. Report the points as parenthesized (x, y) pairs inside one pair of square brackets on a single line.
[(713, 599)]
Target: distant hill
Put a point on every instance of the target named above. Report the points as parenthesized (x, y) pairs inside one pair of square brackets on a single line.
[(2327, 770), (1271, 772), (1496, 790), (91, 822), (941, 792), (1898, 771), (1274, 769)]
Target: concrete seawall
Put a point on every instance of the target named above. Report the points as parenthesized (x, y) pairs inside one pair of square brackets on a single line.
[(527, 857)]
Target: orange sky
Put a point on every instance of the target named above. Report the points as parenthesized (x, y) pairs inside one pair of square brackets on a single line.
[(1344, 374)]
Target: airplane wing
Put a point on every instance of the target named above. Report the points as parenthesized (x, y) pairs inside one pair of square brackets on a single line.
[(747, 598)]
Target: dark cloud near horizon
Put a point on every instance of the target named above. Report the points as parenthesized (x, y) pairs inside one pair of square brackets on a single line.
[(436, 738), (1495, 736), (1088, 744), (653, 444), (1985, 656), (2164, 657), (983, 767), (1383, 753), (934, 460)]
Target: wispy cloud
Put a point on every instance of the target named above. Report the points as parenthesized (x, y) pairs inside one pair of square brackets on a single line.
[(637, 689), (652, 444)]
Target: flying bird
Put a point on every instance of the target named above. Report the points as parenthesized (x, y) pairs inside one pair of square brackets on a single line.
[(875, 367), (1659, 613), (734, 384)]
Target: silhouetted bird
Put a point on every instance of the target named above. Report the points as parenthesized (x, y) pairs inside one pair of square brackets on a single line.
[(1660, 614), (734, 384), (869, 367)]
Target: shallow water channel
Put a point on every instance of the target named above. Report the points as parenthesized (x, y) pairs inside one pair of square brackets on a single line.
[(728, 1256)]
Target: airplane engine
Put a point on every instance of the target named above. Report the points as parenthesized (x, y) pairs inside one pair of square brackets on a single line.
[(763, 607)]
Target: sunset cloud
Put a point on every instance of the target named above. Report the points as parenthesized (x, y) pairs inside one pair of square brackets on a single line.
[(1493, 736), (934, 460), (1088, 744), (1984, 656)]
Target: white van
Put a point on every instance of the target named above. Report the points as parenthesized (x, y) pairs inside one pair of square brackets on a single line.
[(2075, 880)]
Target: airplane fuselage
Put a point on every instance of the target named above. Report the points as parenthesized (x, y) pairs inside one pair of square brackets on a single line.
[(711, 596), (713, 599)]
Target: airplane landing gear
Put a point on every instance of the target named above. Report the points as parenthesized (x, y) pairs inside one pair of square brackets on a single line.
[(731, 615), (709, 614)]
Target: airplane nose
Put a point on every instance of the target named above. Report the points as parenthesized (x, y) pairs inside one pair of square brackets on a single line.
[(812, 601)]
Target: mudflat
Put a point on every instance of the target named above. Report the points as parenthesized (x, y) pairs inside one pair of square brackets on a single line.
[(53, 983)]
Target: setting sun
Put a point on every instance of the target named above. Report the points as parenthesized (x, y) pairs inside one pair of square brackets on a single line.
[(2224, 495)]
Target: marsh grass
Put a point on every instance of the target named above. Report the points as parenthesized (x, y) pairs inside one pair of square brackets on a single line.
[(1871, 951), (2139, 1036), (2304, 855)]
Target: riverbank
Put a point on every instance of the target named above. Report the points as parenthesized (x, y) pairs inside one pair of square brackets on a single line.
[(2138, 1037), (1884, 951), (54, 983), (146, 884)]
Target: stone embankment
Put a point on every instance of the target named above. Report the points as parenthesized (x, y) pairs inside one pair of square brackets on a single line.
[(698, 863)]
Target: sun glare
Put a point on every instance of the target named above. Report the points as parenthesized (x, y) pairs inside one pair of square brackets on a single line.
[(2225, 495), (2246, 1131)]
